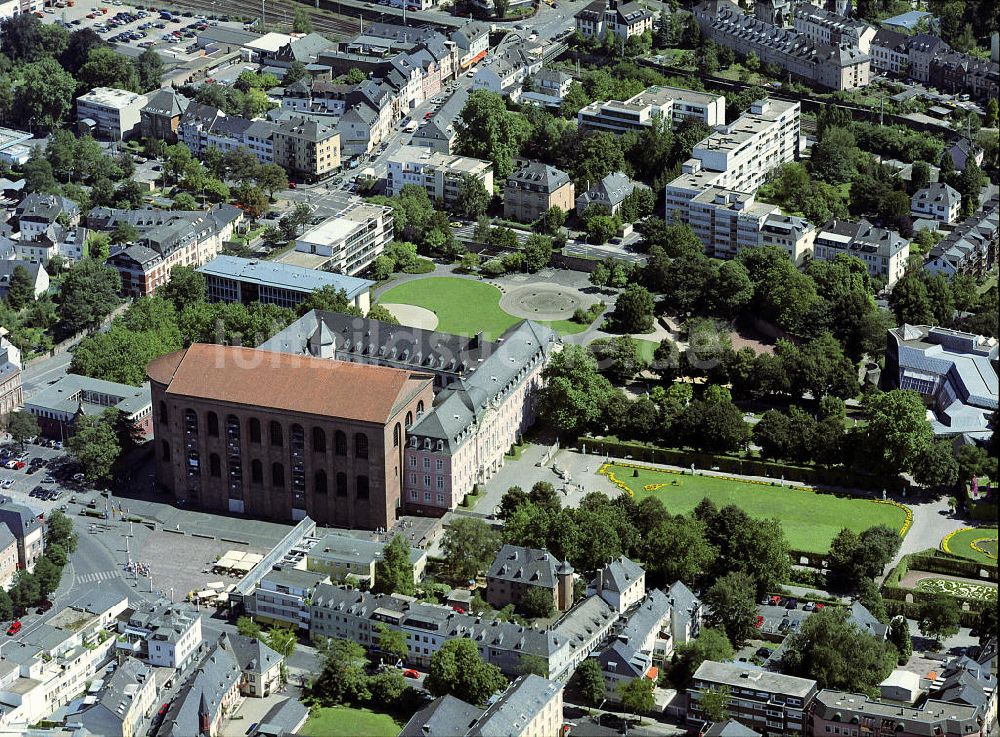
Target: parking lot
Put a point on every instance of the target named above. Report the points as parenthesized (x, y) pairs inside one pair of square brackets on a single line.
[(43, 479)]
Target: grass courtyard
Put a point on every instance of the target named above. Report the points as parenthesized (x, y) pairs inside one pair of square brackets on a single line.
[(464, 306), (344, 721), (810, 520), (975, 543)]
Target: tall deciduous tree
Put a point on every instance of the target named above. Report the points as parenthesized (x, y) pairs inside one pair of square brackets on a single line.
[(733, 607), (89, 292), (95, 445), (590, 681), (487, 130), (458, 669), (394, 571), (939, 617), (469, 545)]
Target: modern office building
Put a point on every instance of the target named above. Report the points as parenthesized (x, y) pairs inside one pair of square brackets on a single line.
[(670, 104), (281, 436), (953, 371), (440, 175), (771, 703), (339, 556), (113, 113), (59, 404), (347, 242), (234, 279)]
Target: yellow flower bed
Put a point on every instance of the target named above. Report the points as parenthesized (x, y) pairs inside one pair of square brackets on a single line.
[(605, 470), (947, 539), (974, 545)]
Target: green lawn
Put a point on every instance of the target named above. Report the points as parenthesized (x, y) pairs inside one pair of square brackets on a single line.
[(810, 520), (465, 306), (646, 349), (343, 721), (985, 538)]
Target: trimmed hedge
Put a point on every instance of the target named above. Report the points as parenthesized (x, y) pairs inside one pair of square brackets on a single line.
[(983, 511), (841, 477), (935, 561), (912, 611)]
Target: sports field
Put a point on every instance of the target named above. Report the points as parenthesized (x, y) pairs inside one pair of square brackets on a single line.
[(810, 520), (976, 543), (464, 306), (344, 721)]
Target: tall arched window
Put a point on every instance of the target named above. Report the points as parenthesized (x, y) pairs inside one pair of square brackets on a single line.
[(214, 465), (164, 415), (254, 430), (319, 440), (409, 419), (361, 486), (190, 422), (319, 482), (277, 475), (340, 443), (213, 425), (360, 445), (420, 407), (396, 435), (277, 438), (256, 472), (341, 484)]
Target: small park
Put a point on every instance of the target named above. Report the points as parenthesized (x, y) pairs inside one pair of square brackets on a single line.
[(810, 519)]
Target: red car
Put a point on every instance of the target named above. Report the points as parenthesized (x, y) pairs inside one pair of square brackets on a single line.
[(759, 622), (15, 627), (163, 710), (820, 606), (410, 673), (775, 600), (18, 465)]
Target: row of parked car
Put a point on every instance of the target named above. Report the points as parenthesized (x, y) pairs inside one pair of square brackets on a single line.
[(790, 602)]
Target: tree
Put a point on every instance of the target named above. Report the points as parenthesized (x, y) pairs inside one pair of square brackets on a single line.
[(20, 289), (392, 642), (936, 467), (469, 545), (89, 292), (149, 70), (601, 228), (45, 95), (251, 199), (394, 571), (992, 112), (537, 252), (899, 636), (939, 617), (711, 644), (186, 286), (712, 426), (834, 155), (329, 299), (897, 431), (714, 703), (678, 550), (248, 628), (6, 606), (301, 22), (837, 653), (618, 357), (634, 310), (95, 445), (487, 130), (536, 602), (551, 221), (986, 624), (472, 198), (920, 175), (575, 393), (590, 681), (637, 695), (271, 178), (38, 176), (458, 669), (105, 67), (59, 531), (342, 678), (21, 425), (733, 607), (25, 591), (282, 640), (296, 71), (124, 233), (500, 8)]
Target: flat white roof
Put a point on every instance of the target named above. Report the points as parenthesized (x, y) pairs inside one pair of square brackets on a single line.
[(270, 42)]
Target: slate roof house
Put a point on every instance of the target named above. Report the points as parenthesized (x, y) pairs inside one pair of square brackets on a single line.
[(515, 570), (609, 193), (534, 188)]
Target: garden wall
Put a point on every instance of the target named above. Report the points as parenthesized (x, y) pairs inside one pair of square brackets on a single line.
[(838, 477)]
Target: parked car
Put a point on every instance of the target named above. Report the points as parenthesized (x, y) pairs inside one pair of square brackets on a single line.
[(6, 483), (775, 600), (410, 673), (759, 621), (44, 606), (14, 628), (808, 606), (792, 604)]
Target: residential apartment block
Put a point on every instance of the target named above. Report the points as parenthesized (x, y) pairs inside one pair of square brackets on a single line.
[(167, 238), (889, 52), (819, 24), (27, 529), (516, 570), (57, 406), (280, 436), (234, 279), (623, 20), (534, 188), (971, 246), (167, 635), (673, 105), (114, 113), (835, 66), (11, 392), (347, 242), (440, 175), (770, 703), (124, 703), (884, 252), (8, 557), (306, 149), (48, 226), (937, 201), (840, 712)]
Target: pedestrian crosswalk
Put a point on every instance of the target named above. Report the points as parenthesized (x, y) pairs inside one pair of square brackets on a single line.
[(98, 576)]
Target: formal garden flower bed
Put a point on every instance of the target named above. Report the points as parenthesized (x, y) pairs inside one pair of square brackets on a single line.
[(973, 591)]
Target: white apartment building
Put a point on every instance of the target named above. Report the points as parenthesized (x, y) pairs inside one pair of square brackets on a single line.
[(745, 151), (889, 52), (52, 664), (169, 635), (727, 221), (115, 113), (282, 596), (794, 235), (937, 201), (884, 252), (669, 103), (439, 174), (346, 243), (821, 25)]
